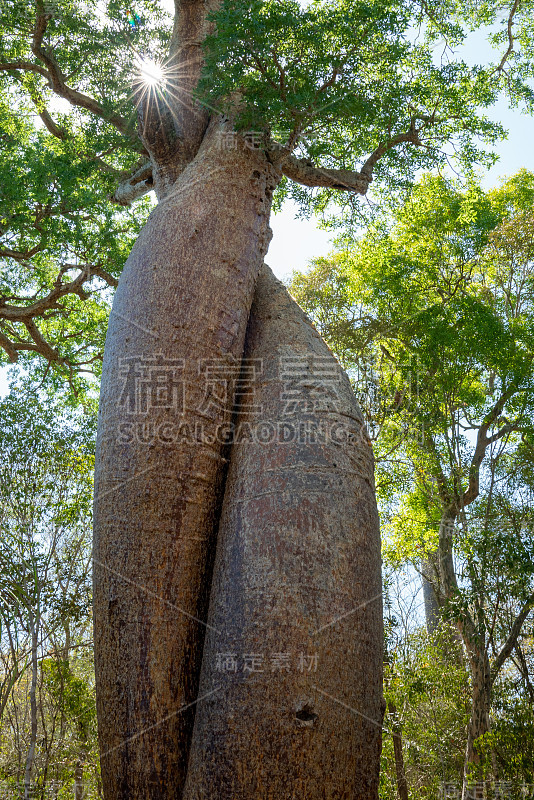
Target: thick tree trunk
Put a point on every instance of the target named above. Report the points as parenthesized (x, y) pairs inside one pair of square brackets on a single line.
[(176, 331), (292, 666)]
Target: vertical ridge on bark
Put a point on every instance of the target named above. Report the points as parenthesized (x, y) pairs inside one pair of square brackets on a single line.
[(183, 298), (296, 588)]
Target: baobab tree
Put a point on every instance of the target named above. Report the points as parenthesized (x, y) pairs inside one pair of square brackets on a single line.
[(235, 101)]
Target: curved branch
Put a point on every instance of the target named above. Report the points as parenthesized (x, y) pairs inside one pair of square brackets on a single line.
[(513, 636), (510, 48), (57, 82), (410, 137), (27, 66), (43, 308), (305, 172), (25, 314), (10, 348), (483, 441), (42, 345), (51, 126), (48, 122)]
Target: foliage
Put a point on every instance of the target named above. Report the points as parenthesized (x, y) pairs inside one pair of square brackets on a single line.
[(58, 229), (432, 313), (348, 84), (45, 596), (428, 685)]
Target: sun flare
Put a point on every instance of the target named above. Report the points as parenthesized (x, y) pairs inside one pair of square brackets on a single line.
[(150, 72)]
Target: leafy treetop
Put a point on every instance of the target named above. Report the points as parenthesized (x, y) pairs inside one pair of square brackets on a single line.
[(341, 92)]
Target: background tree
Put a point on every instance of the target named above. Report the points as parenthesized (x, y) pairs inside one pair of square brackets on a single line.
[(436, 310), (45, 496)]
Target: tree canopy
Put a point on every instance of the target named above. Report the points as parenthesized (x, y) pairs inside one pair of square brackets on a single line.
[(341, 92)]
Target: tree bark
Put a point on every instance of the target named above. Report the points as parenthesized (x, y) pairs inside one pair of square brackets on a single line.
[(79, 788), (292, 665), (480, 710), (430, 599), (402, 784), (182, 303), (34, 623), (475, 644)]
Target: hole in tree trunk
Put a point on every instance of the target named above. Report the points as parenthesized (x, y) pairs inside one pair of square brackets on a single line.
[(306, 716)]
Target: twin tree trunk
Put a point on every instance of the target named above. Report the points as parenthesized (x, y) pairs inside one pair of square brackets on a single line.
[(237, 590)]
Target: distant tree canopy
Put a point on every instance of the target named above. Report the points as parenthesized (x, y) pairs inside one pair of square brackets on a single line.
[(47, 706)]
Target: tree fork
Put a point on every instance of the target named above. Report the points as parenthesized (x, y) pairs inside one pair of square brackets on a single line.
[(296, 589)]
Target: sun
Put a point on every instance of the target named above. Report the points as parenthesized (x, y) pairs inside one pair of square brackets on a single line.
[(150, 73)]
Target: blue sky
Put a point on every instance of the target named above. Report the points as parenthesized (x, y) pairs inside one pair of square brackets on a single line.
[(295, 241)]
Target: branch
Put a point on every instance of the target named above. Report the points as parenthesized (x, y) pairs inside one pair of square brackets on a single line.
[(512, 638), (42, 345), (56, 78), (443, 488), (482, 443), (411, 137), (510, 47), (303, 171), (50, 125), (135, 186), (10, 348), (24, 65), (25, 314), (33, 345)]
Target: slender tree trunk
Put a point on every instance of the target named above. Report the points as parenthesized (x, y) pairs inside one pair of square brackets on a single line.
[(430, 599), (30, 756), (480, 710), (177, 327), (402, 784), (292, 669), (79, 792)]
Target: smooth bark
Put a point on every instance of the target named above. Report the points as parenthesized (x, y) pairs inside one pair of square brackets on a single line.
[(430, 599), (292, 669), (79, 787), (183, 301)]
